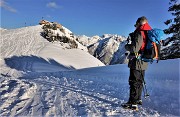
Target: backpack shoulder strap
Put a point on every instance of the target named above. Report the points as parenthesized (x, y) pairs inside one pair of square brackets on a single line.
[(144, 35)]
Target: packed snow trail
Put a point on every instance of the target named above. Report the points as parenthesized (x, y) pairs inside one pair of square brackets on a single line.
[(51, 96)]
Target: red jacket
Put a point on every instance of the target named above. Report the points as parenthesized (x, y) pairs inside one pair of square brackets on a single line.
[(142, 29)]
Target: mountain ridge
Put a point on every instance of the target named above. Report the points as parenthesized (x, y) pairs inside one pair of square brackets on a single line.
[(27, 41)]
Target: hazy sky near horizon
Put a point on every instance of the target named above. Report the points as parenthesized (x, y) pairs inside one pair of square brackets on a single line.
[(88, 17)]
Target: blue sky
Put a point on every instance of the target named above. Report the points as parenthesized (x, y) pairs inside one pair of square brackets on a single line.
[(88, 17)]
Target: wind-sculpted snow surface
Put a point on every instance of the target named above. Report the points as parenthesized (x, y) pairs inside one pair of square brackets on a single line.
[(28, 44), (39, 78)]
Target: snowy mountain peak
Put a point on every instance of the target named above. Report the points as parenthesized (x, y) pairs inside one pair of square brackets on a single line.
[(108, 48), (27, 46)]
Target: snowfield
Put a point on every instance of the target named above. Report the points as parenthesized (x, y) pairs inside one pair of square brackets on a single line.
[(39, 78)]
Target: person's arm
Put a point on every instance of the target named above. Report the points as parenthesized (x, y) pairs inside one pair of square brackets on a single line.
[(135, 46)]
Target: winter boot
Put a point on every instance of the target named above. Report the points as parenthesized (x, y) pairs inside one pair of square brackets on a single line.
[(134, 107), (129, 105), (126, 105), (139, 102)]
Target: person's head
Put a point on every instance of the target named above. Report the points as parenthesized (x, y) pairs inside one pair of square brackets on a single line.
[(140, 21)]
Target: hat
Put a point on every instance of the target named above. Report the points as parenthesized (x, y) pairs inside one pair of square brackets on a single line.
[(141, 20)]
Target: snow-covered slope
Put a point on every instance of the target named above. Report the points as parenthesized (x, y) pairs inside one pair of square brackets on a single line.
[(27, 46), (109, 48)]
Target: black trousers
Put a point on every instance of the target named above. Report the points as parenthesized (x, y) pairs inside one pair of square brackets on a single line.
[(136, 80)]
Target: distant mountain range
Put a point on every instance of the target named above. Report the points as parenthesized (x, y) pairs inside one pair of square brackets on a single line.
[(108, 48)]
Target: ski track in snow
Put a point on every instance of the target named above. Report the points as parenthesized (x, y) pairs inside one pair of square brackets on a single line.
[(53, 96)]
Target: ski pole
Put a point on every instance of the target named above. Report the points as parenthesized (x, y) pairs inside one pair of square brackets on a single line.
[(146, 92), (144, 83)]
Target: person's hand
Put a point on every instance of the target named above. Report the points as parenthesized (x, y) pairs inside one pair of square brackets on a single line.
[(139, 56)]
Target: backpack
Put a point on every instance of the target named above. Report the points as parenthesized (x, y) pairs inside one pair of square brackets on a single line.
[(152, 49)]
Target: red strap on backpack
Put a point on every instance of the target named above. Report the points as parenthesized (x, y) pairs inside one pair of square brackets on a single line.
[(144, 41)]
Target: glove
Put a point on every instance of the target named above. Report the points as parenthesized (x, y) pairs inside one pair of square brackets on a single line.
[(139, 57)]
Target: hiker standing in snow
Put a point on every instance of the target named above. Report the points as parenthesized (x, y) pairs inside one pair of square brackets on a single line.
[(137, 67)]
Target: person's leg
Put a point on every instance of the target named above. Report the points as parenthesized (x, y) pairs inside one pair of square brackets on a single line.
[(133, 95), (141, 80), (132, 83), (136, 85)]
